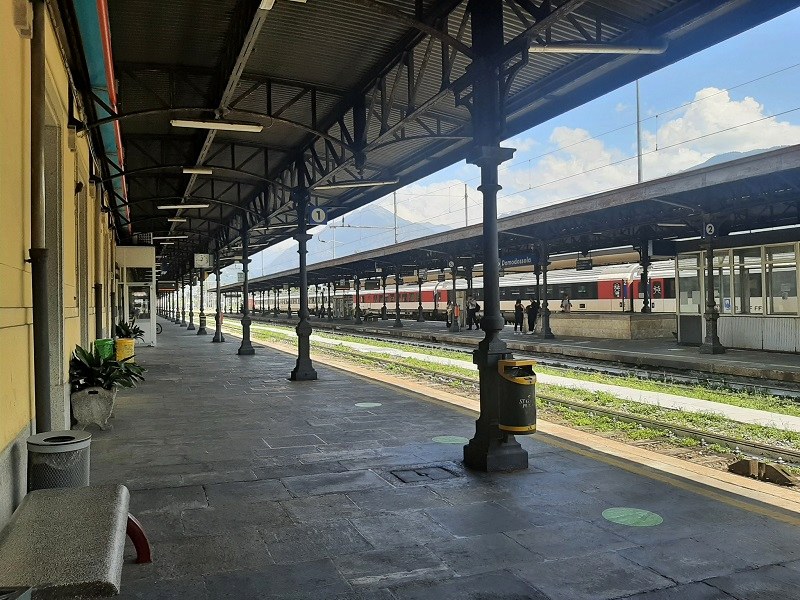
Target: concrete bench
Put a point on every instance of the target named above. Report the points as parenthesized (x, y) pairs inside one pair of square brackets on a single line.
[(70, 542)]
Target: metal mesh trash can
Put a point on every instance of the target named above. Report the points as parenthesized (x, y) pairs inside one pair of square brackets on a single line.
[(58, 459), (517, 407)]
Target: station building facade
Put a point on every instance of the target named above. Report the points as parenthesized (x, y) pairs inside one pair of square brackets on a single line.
[(79, 241)]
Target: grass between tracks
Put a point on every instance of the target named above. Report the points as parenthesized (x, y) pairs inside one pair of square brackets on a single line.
[(707, 422), (741, 399)]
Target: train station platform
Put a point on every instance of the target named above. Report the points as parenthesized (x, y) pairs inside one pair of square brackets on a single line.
[(345, 488), (779, 368)]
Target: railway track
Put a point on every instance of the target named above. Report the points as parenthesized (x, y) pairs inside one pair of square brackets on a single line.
[(589, 366), (746, 447)]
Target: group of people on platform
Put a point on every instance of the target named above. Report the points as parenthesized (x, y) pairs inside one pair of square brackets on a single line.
[(525, 317)]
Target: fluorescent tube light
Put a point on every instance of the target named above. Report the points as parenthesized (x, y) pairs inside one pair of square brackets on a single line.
[(198, 171), (170, 237), (218, 125), (579, 48), (176, 220), (181, 206), (167, 243), (354, 184)]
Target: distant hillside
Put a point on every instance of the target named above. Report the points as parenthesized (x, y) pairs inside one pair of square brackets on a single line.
[(729, 156), (362, 230)]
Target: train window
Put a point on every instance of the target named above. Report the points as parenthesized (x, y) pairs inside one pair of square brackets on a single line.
[(781, 279), (689, 284), (747, 288)]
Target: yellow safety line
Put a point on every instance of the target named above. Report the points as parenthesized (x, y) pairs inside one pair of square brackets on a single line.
[(673, 471)]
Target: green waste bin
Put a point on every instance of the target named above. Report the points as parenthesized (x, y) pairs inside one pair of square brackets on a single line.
[(105, 347), (517, 408)]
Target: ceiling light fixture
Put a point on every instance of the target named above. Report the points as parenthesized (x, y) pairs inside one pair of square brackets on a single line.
[(176, 219), (181, 206), (198, 171), (579, 48), (167, 243), (354, 184), (218, 125), (170, 237)]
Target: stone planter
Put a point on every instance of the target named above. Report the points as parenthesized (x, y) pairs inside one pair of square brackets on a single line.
[(93, 406)]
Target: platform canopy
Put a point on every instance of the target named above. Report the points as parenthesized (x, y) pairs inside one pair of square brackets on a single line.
[(349, 99)]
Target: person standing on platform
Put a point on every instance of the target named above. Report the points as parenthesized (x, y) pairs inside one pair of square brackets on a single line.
[(449, 314), (566, 305), (472, 308), (519, 312), (533, 311)]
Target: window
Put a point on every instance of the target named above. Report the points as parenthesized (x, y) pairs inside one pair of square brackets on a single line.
[(781, 280), (747, 295), (691, 300)]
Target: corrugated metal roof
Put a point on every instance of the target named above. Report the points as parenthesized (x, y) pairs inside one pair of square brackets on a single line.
[(312, 62)]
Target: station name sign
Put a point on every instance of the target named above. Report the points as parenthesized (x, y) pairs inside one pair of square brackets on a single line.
[(583, 264), (516, 260)]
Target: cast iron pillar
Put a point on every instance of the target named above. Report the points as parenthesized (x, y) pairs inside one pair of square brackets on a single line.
[(455, 326), (303, 369), (711, 343), (644, 283), (277, 301), (358, 300), (384, 311), (544, 256), (201, 328), (191, 326), (289, 302), (246, 347), (397, 322), (330, 309), (177, 303), (183, 302), (490, 449), (420, 316), (218, 337)]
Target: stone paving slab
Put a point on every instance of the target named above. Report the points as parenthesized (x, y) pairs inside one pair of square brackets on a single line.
[(231, 517)]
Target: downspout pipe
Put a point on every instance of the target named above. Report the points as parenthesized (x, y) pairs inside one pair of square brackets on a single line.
[(38, 250), (98, 264)]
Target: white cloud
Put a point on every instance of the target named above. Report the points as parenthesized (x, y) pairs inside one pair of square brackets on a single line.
[(620, 107)]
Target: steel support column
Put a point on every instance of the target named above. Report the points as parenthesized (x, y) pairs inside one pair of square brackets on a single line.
[(276, 310), (420, 316), (183, 302), (644, 282), (218, 337), (384, 311), (246, 347), (544, 256), (191, 326), (490, 449), (357, 282), (711, 343), (303, 369), (201, 329), (397, 322), (455, 326), (177, 303), (330, 309)]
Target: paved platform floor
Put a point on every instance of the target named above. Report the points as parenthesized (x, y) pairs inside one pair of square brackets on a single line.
[(666, 354), (251, 486)]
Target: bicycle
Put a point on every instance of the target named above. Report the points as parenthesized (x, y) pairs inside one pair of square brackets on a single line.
[(159, 329)]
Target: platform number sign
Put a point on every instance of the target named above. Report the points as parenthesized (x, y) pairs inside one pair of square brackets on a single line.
[(318, 216), (710, 230)]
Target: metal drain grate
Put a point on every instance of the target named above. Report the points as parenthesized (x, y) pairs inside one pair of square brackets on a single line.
[(423, 474)]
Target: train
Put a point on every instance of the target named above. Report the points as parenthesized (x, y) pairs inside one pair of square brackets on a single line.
[(609, 288)]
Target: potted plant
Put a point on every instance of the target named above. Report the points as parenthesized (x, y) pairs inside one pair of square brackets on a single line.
[(94, 382), (127, 334)]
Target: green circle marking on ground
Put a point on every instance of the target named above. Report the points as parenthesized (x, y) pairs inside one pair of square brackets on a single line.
[(632, 517), (450, 439), (368, 404)]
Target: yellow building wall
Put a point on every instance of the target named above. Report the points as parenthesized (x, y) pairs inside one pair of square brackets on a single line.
[(16, 363), (16, 331)]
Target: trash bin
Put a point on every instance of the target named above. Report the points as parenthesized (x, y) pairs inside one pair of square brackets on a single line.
[(58, 459), (105, 347), (125, 349), (517, 407)]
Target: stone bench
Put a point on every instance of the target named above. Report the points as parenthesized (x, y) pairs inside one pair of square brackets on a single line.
[(70, 542)]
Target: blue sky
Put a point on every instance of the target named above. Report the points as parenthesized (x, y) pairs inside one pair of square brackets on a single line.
[(691, 111)]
